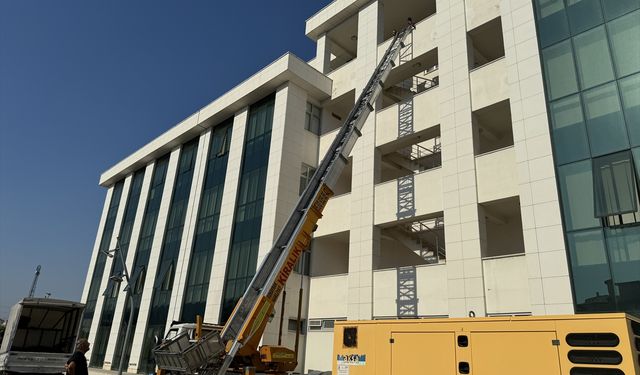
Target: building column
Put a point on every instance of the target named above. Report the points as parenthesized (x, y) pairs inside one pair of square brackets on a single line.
[(131, 254), (188, 233), (290, 145), (225, 224), (465, 283), (323, 54), (363, 240), (548, 269), (154, 258)]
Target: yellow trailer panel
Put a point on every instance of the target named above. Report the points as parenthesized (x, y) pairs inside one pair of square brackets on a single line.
[(590, 344)]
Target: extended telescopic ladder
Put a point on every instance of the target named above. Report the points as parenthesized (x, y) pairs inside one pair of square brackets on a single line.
[(240, 337), (248, 319)]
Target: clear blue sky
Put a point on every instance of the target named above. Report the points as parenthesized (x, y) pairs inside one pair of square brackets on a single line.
[(83, 84)]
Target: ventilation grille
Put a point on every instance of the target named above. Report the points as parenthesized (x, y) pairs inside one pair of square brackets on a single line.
[(595, 371), (607, 340), (595, 357)]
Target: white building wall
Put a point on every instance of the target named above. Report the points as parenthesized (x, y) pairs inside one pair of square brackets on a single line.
[(364, 238), (536, 281), (546, 255), (154, 258), (462, 232)]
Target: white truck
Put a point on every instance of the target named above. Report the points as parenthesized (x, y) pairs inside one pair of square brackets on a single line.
[(40, 336)]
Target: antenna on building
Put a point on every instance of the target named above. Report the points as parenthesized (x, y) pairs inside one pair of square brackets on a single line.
[(35, 281)]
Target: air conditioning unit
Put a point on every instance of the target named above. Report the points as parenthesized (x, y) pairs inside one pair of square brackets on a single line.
[(315, 324)]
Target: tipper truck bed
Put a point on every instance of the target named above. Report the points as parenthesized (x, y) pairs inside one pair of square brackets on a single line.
[(40, 336)]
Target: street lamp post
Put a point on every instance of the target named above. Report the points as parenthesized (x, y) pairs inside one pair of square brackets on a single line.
[(125, 273)]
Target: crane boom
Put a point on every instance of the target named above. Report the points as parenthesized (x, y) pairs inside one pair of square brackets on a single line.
[(32, 291), (236, 345), (247, 322)]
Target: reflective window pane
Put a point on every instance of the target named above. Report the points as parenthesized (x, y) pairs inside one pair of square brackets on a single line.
[(615, 8), (605, 123), (569, 132), (312, 119), (576, 187), (243, 252), (624, 34), (583, 14), (630, 92), (560, 74), (624, 255), (593, 58), (614, 184), (552, 21), (591, 277)]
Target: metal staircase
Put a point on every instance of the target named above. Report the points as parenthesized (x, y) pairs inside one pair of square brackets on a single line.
[(430, 241)]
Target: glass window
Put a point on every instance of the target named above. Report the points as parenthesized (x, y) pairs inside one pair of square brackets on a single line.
[(624, 33), (569, 132), (164, 276), (576, 187), (615, 8), (591, 277), (552, 21), (204, 242), (630, 92), (593, 58), (605, 123), (106, 318), (98, 270), (614, 182), (243, 252), (306, 173), (583, 14), (143, 251), (624, 254), (560, 70), (312, 119)]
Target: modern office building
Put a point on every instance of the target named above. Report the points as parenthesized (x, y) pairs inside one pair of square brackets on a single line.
[(496, 176)]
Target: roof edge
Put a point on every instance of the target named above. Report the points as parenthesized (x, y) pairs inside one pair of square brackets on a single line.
[(287, 68)]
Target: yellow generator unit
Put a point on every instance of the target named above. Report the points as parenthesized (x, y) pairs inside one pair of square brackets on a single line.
[(593, 344)]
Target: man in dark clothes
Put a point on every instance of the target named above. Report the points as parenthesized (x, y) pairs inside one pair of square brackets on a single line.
[(77, 364)]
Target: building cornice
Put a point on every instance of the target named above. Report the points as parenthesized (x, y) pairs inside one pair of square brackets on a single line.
[(288, 68), (331, 16)]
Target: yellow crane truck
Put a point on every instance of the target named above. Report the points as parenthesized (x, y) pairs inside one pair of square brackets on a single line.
[(401, 347)]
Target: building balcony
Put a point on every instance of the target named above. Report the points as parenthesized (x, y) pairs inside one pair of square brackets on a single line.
[(326, 140), (479, 12), (334, 219), (421, 41), (489, 84), (497, 175), (416, 291), (506, 285), (427, 202), (425, 114), (343, 79), (327, 296)]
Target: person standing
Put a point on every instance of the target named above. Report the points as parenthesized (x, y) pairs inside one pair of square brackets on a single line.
[(77, 363)]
